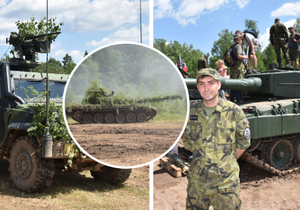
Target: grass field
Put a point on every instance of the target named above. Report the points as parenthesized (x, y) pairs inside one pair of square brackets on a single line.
[(78, 191)]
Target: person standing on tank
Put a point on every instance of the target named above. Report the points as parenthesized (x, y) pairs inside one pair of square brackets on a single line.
[(279, 39), (217, 133), (237, 71), (293, 45), (202, 63), (252, 43)]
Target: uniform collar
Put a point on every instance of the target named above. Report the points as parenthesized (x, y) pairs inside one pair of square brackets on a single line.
[(219, 107)]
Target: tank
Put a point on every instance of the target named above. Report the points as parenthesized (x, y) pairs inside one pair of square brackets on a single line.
[(102, 107), (271, 102)]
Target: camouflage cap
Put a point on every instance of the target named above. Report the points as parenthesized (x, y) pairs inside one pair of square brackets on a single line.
[(209, 72), (277, 19)]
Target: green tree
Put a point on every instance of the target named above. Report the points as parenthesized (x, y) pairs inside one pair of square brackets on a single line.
[(54, 66), (297, 25), (188, 55), (33, 27), (253, 24), (220, 46), (67, 59), (85, 53)]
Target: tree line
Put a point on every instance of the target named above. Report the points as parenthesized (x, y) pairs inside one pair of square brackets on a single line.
[(191, 56)]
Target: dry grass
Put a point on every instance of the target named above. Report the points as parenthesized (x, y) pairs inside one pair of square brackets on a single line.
[(79, 191)]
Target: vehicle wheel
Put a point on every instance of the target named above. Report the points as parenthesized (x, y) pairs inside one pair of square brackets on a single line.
[(120, 118), (109, 118), (142, 117), (78, 115), (87, 119), (27, 172), (280, 154), (131, 118), (111, 175), (98, 118), (297, 150)]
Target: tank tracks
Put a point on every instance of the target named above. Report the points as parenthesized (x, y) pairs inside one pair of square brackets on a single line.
[(265, 166)]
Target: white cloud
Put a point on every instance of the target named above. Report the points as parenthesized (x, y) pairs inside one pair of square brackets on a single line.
[(3, 3), (188, 11), (131, 34), (242, 3), (162, 7), (75, 54), (287, 9), (264, 38), (78, 15)]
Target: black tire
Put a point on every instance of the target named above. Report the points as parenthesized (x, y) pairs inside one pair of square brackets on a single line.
[(111, 175), (27, 172)]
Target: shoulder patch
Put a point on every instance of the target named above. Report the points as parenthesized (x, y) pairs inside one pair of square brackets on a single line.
[(247, 133)]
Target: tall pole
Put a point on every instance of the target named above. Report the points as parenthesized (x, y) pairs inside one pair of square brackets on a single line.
[(47, 138), (141, 20), (47, 70)]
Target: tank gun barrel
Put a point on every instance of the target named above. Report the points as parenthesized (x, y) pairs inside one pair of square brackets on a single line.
[(253, 84), (159, 98)]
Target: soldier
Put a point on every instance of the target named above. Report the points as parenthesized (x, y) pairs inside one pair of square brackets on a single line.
[(237, 72), (202, 62), (217, 133), (279, 39), (293, 46)]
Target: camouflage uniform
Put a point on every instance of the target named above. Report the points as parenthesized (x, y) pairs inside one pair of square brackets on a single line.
[(214, 172), (202, 63), (279, 38), (237, 72)]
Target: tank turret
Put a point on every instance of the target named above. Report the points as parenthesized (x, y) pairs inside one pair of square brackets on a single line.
[(101, 107), (271, 102)]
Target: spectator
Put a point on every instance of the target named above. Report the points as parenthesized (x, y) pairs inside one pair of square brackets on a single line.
[(223, 72), (293, 46), (252, 44)]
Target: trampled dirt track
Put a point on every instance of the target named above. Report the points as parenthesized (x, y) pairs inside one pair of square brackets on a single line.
[(126, 144), (259, 190)]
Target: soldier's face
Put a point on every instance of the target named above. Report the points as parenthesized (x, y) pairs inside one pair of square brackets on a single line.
[(208, 88)]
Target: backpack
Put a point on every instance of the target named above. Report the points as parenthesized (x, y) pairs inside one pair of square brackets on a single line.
[(251, 31), (229, 57)]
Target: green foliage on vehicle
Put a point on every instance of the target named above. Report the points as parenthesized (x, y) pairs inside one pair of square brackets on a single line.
[(34, 27), (57, 129)]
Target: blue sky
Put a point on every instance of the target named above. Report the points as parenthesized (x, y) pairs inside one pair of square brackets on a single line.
[(88, 24), (198, 22)]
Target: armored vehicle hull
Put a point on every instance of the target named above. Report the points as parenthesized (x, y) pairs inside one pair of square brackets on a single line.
[(271, 102), (110, 114), (110, 109)]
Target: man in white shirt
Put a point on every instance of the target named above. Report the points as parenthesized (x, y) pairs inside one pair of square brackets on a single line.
[(252, 44)]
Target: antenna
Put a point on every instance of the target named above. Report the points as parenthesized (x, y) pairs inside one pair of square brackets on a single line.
[(141, 20), (47, 138)]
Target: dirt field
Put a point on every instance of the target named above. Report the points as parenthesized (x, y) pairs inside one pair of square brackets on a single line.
[(126, 144), (78, 192), (259, 190)]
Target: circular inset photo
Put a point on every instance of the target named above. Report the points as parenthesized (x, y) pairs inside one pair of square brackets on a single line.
[(125, 105)]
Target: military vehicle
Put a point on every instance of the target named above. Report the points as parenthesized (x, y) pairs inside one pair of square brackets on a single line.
[(100, 107), (30, 169), (272, 106)]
